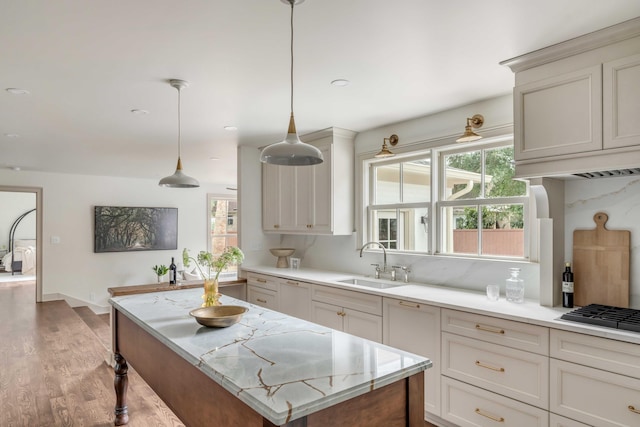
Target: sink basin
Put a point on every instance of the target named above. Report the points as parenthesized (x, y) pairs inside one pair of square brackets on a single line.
[(371, 284)]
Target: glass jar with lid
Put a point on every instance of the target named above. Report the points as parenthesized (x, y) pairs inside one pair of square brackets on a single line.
[(515, 286)]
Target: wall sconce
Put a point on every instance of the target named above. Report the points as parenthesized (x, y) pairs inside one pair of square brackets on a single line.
[(393, 141), (473, 122)]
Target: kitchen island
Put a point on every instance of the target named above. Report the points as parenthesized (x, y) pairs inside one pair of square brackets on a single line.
[(269, 369)]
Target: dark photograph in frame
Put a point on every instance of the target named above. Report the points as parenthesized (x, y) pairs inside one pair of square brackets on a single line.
[(124, 229)]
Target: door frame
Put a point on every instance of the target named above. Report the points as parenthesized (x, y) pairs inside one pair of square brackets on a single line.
[(39, 235)]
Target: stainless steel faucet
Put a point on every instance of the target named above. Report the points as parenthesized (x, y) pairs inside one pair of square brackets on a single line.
[(384, 252)]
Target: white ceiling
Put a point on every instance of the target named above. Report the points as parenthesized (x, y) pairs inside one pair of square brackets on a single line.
[(87, 64)]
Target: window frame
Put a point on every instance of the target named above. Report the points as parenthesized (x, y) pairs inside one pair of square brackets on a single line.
[(437, 149)]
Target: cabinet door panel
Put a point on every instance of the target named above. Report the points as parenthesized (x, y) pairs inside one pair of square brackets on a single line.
[(323, 191), (295, 299), (468, 406), (326, 315), (559, 115), (363, 325), (621, 92), (262, 297), (415, 328)]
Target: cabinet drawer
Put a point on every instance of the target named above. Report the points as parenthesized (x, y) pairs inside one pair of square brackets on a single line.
[(593, 396), (558, 421), (610, 355), (262, 297), (466, 405), (348, 299), (262, 280), (499, 331), (515, 373)]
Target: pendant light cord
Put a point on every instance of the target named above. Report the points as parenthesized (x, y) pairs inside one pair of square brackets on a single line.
[(179, 131), (292, 3)]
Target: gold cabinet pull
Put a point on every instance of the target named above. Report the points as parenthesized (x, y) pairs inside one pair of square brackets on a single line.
[(309, 226), (491, 417), (493, 368), (341, 313), (633, 409), (276, 226), (488, 329), (261, 300), (261, 280), (289, 282), (410, 304)]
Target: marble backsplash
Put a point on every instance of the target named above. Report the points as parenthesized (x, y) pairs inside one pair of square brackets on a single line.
[(619, 198)]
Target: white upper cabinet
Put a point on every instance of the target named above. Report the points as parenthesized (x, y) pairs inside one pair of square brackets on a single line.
[(576, 104), (621, 100), (315, 199)]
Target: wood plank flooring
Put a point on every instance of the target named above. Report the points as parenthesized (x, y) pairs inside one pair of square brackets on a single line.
[(54, 372)]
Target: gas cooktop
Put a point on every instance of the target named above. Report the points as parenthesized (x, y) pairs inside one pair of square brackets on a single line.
[(607, 316)]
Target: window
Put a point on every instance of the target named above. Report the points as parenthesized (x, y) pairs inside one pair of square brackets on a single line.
[(223, 224), (400, 195), (477, 209)]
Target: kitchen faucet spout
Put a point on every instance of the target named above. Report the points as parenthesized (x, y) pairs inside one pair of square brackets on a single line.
[(384, 253)]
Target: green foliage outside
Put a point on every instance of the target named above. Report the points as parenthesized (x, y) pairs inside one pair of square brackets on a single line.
[(499, 166)]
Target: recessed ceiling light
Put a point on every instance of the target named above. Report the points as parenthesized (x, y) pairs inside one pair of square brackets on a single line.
[(17, 91), (341, 82), (214, 158), (230, 128), (12, 135), (16, 168), (139, 112)]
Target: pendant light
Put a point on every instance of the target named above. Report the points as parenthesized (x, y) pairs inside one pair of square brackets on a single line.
[(291, 151), (179, 179)]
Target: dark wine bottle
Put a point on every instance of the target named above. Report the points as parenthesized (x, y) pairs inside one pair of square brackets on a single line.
[(173, 271), (567, 286)]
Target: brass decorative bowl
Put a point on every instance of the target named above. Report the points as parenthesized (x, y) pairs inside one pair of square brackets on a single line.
[(218, 316)]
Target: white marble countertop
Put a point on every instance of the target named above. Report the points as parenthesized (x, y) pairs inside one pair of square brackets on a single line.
[(457, 299), (282, 367)]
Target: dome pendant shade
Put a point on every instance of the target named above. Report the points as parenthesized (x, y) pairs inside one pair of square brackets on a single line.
[(179, 179), (291, 151)]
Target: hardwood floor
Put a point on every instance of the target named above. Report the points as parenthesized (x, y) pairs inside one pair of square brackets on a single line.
[(54, 371)]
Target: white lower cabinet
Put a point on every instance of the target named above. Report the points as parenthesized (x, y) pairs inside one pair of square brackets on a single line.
[(415, 328), (353, 312), (262, 297), (584, 383), (466, 405), (354, 322), (294, 298), (558, 421)]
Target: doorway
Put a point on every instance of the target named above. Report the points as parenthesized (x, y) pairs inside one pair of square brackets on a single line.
[(21, 235)]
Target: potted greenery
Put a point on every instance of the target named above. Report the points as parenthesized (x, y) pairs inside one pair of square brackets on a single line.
[(214, 266), (160, 271)]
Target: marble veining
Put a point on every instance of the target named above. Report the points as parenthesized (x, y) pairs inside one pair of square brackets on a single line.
[(282, 367)]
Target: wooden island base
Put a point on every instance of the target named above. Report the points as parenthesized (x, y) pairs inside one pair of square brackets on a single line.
[(199, 401)]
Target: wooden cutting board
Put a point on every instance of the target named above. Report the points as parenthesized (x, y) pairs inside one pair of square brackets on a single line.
[(601, 265)]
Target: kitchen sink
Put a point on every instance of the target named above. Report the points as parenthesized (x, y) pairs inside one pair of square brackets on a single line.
[(371, 284)]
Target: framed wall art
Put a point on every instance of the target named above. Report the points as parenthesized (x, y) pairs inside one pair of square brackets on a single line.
[(123, 229)]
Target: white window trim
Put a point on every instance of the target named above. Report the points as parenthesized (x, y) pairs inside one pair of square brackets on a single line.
[(437, 146)]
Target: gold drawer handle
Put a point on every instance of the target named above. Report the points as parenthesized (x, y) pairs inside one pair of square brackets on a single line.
[(341, 313), (493, 368), (492, 330), (261, 280), (309, 226), (633, 409), (261, 300), (491, 417), (289, 282), (276, 226), (410, 304)]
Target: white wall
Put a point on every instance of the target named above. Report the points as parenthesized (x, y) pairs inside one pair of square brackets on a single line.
[(341, 253), (12, 205), (619, 198), (71, 268)]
